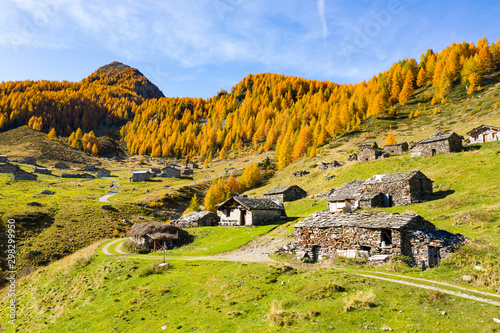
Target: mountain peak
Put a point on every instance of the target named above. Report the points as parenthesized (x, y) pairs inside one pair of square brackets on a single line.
[(125, 76)]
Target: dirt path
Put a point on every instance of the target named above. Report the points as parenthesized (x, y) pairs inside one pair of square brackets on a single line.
[(114, 189)]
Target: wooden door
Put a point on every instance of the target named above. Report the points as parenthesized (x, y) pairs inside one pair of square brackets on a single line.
[(433, 253), (485, 137)]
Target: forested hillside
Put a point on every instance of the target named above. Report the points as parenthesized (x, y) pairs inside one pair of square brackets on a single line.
[(265, 111)]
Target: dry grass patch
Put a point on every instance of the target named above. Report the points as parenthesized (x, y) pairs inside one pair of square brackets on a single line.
[(359, 300)]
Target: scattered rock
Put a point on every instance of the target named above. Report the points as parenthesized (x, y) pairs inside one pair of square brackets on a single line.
[(352, 157), (443, 313), (298, 174), (478, 268), (330, 177), (385, 328), (48, 192), (34, 203), (127, 222), (106, 207), (468, 278), (164, 327), (141, 217), (496, 320)]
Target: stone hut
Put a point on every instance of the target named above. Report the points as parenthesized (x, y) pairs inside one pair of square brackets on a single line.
[(396, 189), (483, 133), (197, 219), (156, 234), (3, 158), (24, 176), (154, 171), (442, 142), (89, 167), (61, 166), (286, 193), (326, 235), (187, 172), (78, 175), (103, 173), (192, 165), (243, 211), (140, 176), (396, 149), (29, 160), (9, 168), (368, 151), (171, 171), (44, 171)]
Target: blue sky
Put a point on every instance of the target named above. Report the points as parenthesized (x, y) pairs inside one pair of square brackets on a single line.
[(196, 47)]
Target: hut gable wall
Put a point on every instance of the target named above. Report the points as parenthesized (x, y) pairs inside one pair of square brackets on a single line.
[(261, 216), (483, 134)]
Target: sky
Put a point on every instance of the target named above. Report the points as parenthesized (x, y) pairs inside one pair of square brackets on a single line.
[(194, 48)]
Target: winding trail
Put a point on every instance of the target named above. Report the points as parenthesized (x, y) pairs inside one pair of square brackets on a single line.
[(114, 189), (253, 252)]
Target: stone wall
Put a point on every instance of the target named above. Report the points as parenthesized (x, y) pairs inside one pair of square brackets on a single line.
[(452, 144), (171, 173), (229, 216), (399, 193), (258, 217), (277, 196), (396, 149), (479, 135), (291, 194), (343, 238), (368, 154)]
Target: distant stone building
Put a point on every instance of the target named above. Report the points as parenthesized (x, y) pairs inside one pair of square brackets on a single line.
[(103, 173), (44, 171), (78, 175), (3, 158), (9, 168), (187, 172), (29, 160), (154, 171), (140, 176), (368, 151), (243, 211), (192, 165), (396, 189), (61, 166), (24, 176), (197, 219), (442, 142), (286, 193), (483, 133), (171, 171), (89, 167), (325, 234), (396, 149)]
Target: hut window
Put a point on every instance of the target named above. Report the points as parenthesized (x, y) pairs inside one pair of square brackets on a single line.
[(386, 237), (228, 212)]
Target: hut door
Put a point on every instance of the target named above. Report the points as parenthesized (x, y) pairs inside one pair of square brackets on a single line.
[(433, 152), (316, 253), (243, 215), (485, 137), (387, 200), (433, 256)]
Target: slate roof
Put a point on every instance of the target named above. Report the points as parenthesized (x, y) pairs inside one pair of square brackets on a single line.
[(195, 216), (445, 237), (280, 189), (172, 166), (324, 219), (255, 203), (139, 172), (365, 145), (350, 190), (479, 127), (394, 177), (440, 136)]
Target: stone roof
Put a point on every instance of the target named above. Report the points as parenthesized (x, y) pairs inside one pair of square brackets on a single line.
[(440, 136), (140, 172), (195, 216), (350, 190), (365, 145), (255, 203), (394, 177), (443, 238), (479, 127), (280, 189), (324, 219), (172, 166)]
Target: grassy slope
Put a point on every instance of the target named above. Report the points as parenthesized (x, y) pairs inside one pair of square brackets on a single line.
[(88, 293)]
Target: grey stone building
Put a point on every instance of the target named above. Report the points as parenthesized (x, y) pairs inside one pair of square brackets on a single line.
[(286, 193), (103, 173), (396, 189), (326, 235), (29, 160), (78, 175), (171, 171), (197, 219), (368, 151), (24, 176), (154, 171), (243, 211), (396, 149), (140, 176), (192, 165), (89, 167), (60, 165), (441, 142), (44, 171), (3, 158), (483, 133), (9, 168)]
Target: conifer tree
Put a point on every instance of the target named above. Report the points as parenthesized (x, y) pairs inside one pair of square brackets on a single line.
[(422, 77), (52, 134), (407, 90)]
